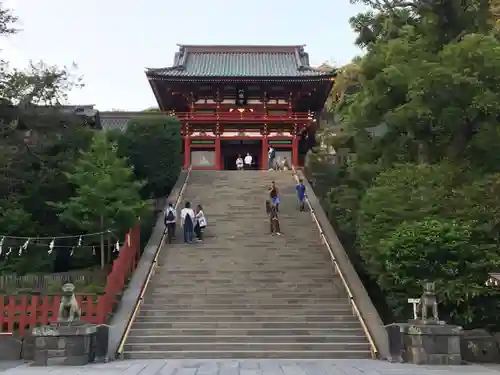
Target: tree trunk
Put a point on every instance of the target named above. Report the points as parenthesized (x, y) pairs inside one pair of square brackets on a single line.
[(423, 152), (103, 260), (110, 251)]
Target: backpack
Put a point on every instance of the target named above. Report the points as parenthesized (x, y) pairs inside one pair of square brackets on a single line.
[(170, 216), (273, 153)]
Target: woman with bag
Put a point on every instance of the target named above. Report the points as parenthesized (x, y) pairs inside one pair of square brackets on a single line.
[(201, 223)]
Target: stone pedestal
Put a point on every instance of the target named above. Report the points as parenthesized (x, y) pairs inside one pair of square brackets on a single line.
[(64, 344), (396, 343), (478, 345), (425, 343), (101, 342)]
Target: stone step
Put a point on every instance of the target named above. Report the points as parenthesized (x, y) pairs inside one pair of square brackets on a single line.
[(242, 354), (270, 268), (246, 313), (236, 261), (262, 254), (263, 279), (243, 293), (261, 293), (155, 338), (353, 323), (290, 279), (246, 318), (195, 293), (275, 245), (253, 266), (166, 332), (255, 346), (243, 272), (236, 305), (230, 299), (270, 292), (251, 285)]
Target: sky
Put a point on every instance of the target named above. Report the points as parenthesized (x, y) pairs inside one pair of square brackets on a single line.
[(113, 41)]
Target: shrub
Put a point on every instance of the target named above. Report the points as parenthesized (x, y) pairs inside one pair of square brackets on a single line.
[(153, 146)]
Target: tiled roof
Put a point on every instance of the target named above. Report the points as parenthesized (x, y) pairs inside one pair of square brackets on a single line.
[(114, 123), (240, 61), (119, 119)]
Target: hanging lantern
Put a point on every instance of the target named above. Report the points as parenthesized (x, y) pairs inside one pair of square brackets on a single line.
[(241, 97)]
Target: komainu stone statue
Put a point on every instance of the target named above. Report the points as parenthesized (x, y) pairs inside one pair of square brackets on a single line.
[(68, 308), (428, 301)]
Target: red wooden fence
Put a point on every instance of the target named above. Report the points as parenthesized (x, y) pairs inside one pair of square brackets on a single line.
[(24, 312)]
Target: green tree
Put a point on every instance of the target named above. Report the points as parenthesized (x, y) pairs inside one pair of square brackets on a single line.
[(426, 187), (428, 82), (107, 196), (347, 81), (395, 224), (445, 252), (405, 193), (152, 145), (37, 141)]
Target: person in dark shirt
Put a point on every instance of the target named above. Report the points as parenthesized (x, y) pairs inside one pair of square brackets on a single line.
[(301, 194), (274, 221), (274, 195), (268, 206), (187, 222)]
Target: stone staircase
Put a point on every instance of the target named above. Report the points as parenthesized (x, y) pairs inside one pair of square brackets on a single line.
[(244, 293)]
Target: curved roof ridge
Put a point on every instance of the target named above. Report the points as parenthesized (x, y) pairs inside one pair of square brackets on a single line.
[(239, 48), (242, 45), (240, 61)]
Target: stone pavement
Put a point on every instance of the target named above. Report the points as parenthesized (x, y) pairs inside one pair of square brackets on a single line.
[(252, 367)]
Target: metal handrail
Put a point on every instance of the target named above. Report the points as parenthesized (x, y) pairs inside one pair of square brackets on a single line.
[(150, 273), (374, 350)]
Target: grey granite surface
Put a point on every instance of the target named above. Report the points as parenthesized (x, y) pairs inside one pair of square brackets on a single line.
[(249, 367)]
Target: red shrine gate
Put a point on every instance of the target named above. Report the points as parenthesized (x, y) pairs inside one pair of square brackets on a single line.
[(237, 99)]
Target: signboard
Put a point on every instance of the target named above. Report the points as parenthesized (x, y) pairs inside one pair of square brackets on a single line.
[(280, 142), (203, 142), (203, 158), (241, 142)]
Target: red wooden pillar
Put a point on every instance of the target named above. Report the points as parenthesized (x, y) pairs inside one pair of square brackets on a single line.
[(187, 153), (295, 151), (217, 154), (264, 161)]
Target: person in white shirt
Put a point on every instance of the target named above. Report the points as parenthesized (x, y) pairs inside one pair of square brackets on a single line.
[(201, 223), (248, 161), (170, 220), (239, 163), (285, 164), (271, 156), (187, 222)]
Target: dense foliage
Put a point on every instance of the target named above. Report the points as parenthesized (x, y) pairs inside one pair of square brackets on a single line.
[(38, 144), (106, 196), (421, 201), (60, 176), (152, 145)]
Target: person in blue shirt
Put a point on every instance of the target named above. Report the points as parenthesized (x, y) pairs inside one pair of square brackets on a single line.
[(301, 194)]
